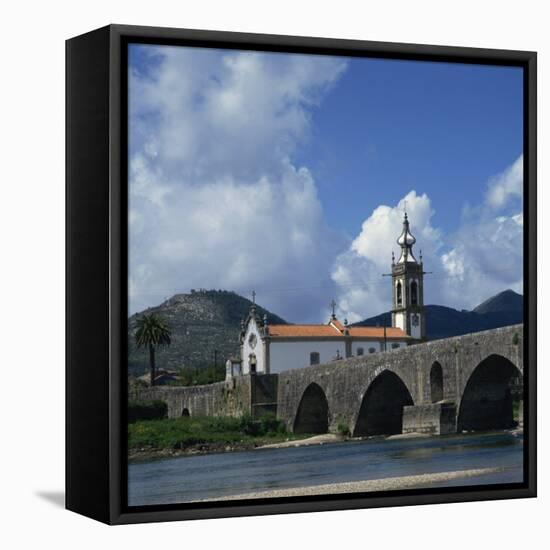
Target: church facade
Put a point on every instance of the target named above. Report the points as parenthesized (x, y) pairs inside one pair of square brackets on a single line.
[(267, 348)]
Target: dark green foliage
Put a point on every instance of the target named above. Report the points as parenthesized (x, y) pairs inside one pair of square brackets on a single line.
[(179, 433), (146, 410), (199, 375), (152, 332), (269, 423)]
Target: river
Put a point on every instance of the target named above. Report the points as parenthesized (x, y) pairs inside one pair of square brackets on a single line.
[(198, 477)]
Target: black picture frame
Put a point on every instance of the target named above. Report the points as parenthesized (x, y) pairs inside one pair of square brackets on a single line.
[(96, 272)]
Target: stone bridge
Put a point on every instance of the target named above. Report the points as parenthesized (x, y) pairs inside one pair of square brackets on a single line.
[(470, 382)]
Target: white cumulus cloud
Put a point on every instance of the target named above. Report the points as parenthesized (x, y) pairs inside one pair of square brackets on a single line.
[(506, 185), (484, 256), (358, 271), (215, 200)]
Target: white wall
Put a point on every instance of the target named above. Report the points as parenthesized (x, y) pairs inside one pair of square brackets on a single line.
[(33, 218), (400, 321), (258, 350), (366, 344), (292, 355), (416, 331)]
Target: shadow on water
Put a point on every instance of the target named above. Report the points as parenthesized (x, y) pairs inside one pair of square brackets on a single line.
[(457, 443)]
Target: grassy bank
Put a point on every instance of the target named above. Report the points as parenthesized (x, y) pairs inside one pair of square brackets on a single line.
[(190, 435)]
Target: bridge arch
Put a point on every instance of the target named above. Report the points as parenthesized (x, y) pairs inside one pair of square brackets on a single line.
[(312, 415), (436, 382), (185, 412), (487, 402), (381, 410)]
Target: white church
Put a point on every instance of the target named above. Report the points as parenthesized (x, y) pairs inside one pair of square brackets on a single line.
[(269, 348)]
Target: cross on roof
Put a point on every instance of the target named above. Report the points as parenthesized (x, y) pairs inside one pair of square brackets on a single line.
[(254, 297), (333, 306)]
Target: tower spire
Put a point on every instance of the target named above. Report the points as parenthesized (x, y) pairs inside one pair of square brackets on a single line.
[(406, 241)]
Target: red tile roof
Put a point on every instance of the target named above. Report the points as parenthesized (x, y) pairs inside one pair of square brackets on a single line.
[(334, 330), (377, 332)]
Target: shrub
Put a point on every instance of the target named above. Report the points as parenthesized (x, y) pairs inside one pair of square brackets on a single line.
[(267, 423), (146, 410), (343, 429), (249, 426), (271, 424)]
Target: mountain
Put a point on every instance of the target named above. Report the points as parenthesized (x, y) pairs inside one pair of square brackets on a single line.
[(507, 301), (201, 322), (503, 309)]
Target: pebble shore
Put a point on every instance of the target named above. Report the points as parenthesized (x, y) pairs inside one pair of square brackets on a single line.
[(386, 484)]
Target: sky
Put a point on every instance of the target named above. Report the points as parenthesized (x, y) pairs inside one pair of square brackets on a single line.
[(289, 174)]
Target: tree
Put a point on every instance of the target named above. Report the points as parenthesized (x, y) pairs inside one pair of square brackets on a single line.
[(152, 332)]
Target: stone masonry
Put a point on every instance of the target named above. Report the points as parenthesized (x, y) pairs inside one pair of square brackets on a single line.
[(345, 383)]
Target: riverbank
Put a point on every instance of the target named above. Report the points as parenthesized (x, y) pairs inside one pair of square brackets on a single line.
[(212, 447), (386, 484), (230, 442), (174, 437)]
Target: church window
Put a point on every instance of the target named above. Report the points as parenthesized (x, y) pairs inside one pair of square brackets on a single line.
[(372, 350), (399, 294), (414, 293), (395, 345), (314, 358), (360, 351), (252, 363)]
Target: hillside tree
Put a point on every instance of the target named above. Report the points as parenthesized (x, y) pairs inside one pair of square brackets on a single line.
[(152, 332)]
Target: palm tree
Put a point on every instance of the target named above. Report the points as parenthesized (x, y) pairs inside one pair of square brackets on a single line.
[(151, 332)]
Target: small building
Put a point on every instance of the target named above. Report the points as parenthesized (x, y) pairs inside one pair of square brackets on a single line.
[(267, 349), (162, 377)]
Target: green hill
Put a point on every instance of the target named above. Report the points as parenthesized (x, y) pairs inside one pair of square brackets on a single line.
[(204, 323)]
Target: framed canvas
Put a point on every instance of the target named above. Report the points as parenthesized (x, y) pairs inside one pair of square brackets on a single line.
[(301, 274)]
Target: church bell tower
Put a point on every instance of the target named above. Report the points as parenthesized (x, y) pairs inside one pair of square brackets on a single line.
[(408, 287)]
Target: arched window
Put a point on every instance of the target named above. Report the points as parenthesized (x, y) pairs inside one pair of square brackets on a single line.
[(399, 291), (414, 293), (314, 358), (360, 351), (252, 363)]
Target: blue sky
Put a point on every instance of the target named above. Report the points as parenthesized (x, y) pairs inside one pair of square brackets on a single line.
[(391, 126), (288, 174)]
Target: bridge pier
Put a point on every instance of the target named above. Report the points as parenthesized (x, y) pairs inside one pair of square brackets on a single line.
[(434, 419)]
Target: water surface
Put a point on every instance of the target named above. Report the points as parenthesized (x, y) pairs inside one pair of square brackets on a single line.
[(188, 478)]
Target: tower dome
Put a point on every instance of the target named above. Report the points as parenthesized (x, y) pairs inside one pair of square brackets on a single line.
[(406, 241)]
